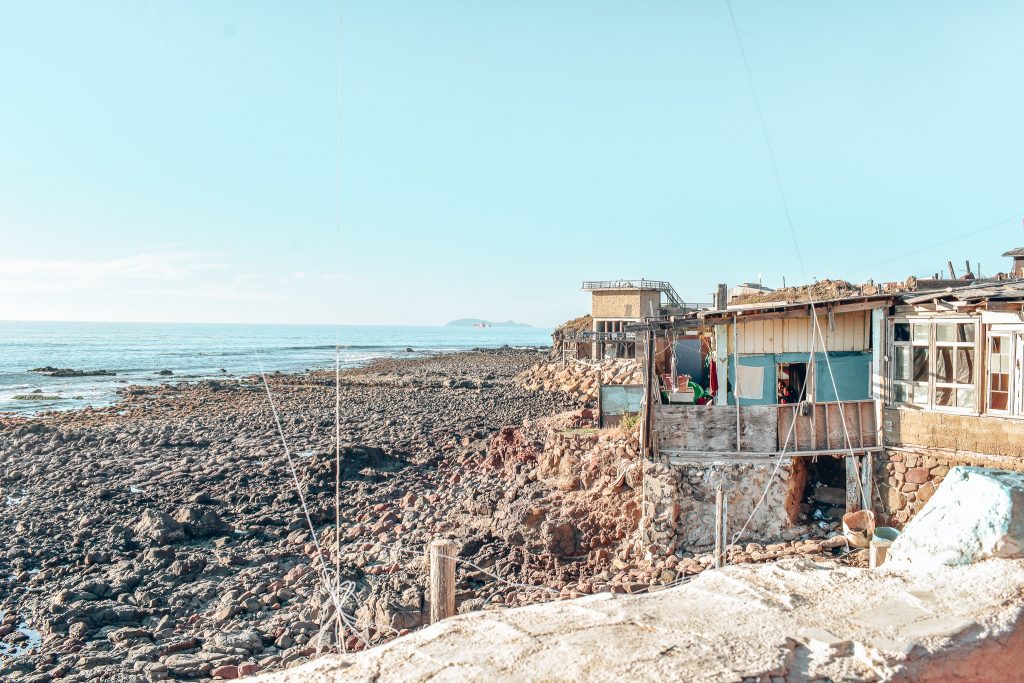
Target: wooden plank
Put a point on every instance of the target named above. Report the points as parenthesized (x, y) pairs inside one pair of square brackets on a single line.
[(828, 431), (852, 489), (858, 422)]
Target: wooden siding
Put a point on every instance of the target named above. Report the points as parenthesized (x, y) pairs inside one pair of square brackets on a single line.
[(713, 428), (822, 428), (764, 429), (793, 335)]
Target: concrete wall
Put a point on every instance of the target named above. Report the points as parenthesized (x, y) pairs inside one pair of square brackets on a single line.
[(969, 435), (679, 502), (616, 303)]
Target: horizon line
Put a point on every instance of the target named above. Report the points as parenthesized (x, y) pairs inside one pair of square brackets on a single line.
[(303, 324)]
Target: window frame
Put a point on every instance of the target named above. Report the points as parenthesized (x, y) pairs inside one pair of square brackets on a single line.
[(1010, 341), (931, 383)]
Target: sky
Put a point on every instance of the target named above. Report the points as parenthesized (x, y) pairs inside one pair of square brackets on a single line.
[(412, 162)]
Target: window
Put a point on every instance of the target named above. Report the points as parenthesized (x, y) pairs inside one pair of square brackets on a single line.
[(954, 365), (910, 363), (999, 373), (934, 364)]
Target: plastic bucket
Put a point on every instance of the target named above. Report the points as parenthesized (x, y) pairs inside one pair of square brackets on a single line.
[(885, 534), (881, 539), (858, 527)]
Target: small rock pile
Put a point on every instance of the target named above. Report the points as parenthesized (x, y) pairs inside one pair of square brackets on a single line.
[(581, 379)]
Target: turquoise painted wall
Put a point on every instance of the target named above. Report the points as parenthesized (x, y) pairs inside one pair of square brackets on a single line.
[(852, 372)]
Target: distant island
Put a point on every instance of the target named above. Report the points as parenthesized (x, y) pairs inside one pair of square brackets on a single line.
[(477, 322)]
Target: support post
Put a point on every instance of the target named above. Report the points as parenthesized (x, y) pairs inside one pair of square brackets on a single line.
[(736, 375), (853, 499), (442, 579), (719, 527), (867, 481)]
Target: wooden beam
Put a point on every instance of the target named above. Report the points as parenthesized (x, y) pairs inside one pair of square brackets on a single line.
[(852, 486)]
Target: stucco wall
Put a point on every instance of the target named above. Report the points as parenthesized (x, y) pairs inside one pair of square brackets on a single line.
[(624, 303)]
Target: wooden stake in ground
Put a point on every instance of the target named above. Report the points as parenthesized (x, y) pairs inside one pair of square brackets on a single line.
[(442, 579), (719, 527)]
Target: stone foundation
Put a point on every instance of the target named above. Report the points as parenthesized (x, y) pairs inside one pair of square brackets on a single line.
[(906, 478), (679, 502)]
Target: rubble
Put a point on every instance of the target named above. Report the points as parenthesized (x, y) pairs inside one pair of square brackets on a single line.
[(581, 378)]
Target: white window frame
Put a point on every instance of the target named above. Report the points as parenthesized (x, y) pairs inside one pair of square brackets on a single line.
[(917, 341), (1010, 340)]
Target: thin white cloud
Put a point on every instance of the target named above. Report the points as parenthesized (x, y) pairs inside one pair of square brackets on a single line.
[(64, 275)]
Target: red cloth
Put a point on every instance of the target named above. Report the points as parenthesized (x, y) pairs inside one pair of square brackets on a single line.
[(713, 378)]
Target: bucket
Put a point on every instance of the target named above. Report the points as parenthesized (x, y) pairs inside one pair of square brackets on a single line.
[(858, 527), (885, 534), (881, 539)]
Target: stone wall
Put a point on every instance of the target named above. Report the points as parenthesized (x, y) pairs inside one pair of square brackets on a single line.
[(922, 446), (679, 502), (907, 477)]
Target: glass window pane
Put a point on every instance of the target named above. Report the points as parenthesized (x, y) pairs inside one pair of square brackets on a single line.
[(921, 394), (965, 332), (921, 333), (944, 332), (901, 369), (944, 364), (902, 393), (998, 400), (943, 396), (901, 332), (965, 366), (920, 365), (965, 398), (996, 344)]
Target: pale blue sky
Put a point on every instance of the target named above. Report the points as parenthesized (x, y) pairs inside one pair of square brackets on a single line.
[(494, 154)]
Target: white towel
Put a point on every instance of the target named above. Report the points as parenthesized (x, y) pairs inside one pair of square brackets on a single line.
[(750, 382)]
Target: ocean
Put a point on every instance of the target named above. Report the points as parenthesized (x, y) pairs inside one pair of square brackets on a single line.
[(138, 352)]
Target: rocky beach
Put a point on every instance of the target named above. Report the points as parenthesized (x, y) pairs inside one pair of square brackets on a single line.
[(163, 537)]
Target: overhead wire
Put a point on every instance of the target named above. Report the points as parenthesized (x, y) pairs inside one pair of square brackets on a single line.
[(789, 217)]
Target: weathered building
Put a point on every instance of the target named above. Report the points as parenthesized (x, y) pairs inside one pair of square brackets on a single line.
[(954, 381), (615, 306)]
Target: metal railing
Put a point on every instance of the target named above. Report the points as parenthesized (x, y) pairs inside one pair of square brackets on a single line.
[(672, 297), (599, 336)]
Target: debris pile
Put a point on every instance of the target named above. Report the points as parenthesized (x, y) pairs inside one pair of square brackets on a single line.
[(581, 379)]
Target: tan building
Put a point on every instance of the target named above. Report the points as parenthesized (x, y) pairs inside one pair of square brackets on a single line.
[(615, 304)]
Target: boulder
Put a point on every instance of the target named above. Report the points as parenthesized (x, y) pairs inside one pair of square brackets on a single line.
[(159, 528), (975, 514)]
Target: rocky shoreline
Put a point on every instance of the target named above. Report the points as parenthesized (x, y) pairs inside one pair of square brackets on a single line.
[(163, 537)]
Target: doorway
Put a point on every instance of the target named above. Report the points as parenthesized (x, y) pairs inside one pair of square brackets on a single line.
[(791, 382)]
